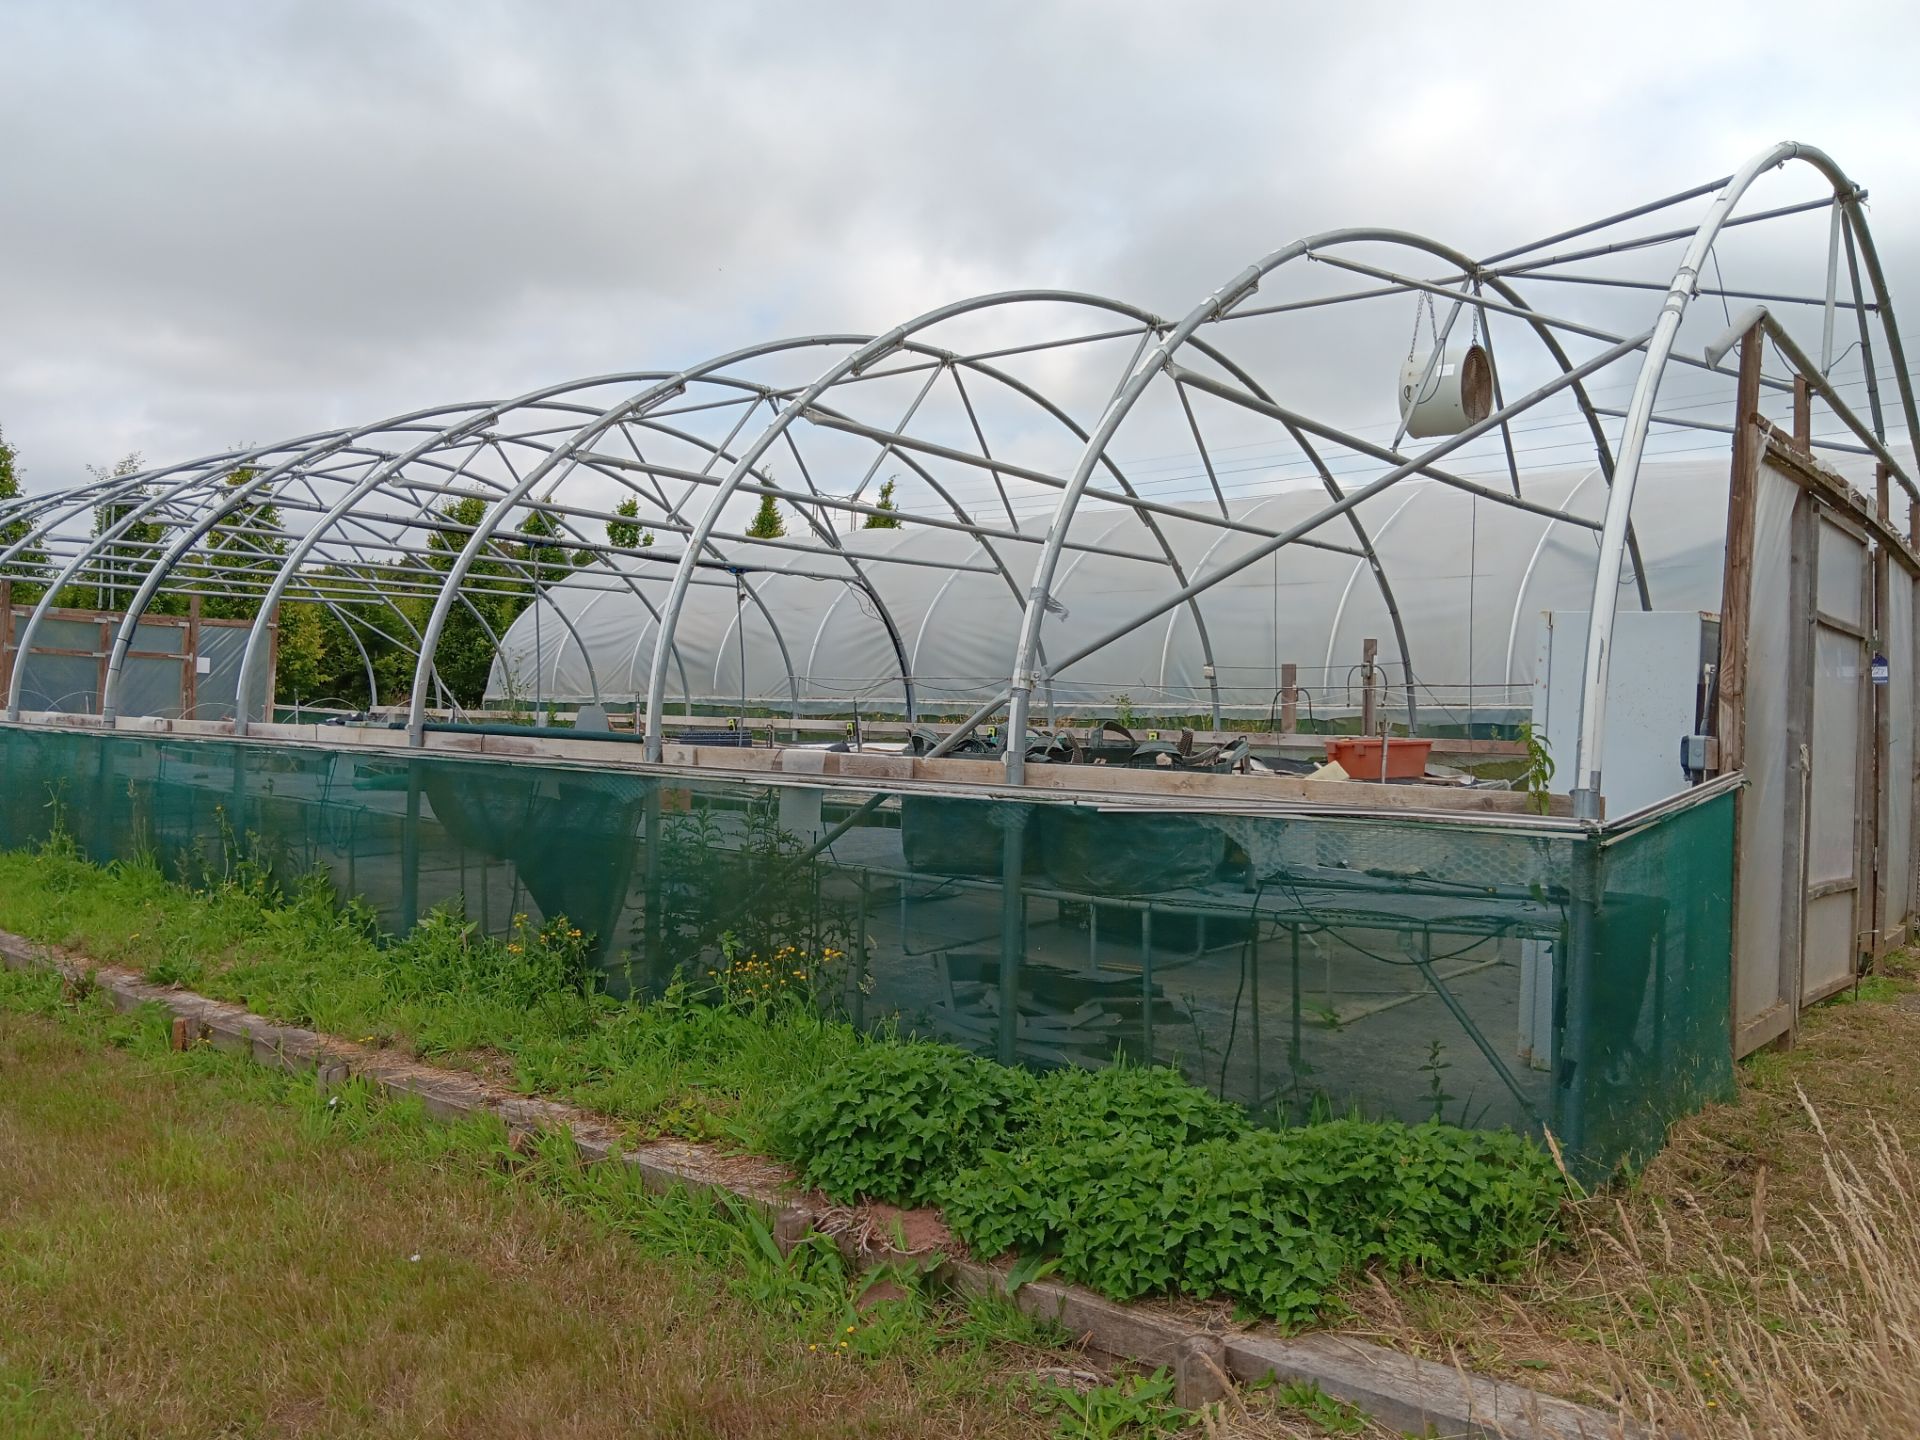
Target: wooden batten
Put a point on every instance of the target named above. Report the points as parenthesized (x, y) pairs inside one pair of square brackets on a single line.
[(6, 636), (1736, 603), (190, 672), (1831, 486)]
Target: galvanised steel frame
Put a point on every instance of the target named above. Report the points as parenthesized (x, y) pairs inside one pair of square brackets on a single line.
[(361, 515)]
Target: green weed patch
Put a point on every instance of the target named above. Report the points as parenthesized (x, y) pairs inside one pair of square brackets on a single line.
[(1139, 1183)]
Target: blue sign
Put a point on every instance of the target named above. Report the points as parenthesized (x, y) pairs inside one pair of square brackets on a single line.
[(1881, 670)]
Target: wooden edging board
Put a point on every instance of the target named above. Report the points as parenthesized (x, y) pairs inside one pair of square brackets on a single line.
[(1398, 1390)]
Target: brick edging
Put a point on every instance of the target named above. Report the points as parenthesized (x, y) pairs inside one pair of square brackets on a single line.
[(1401, 1391)]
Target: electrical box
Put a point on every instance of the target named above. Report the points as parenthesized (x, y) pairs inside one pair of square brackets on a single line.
[(1660, 691)]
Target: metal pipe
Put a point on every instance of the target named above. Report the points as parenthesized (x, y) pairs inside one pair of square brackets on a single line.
[(1664, 237), (1587, 778), (1380, 452), (1833, 286), (1053, 482), (1616, 219), (1347, 502)]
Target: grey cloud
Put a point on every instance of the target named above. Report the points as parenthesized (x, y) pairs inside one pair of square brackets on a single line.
[(236, 221)]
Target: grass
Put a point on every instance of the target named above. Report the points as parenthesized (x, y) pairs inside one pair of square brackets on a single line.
[(1760, 1277), (193, 1246), (514, 1011)]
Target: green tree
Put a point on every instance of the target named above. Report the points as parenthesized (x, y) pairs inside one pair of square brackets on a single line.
[(28, 568), (486, 601), (624, 533), (240, 556), (767, 524), (546, 564), (888, 521), (123, 562), (312, 645)]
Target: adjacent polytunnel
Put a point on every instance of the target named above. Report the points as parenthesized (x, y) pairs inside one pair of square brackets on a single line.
[(1473, 579)]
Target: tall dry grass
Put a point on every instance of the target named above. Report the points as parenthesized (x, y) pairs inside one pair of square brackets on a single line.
[(1803, 1329)]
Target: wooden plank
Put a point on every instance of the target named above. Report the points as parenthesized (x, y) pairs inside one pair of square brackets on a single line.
[(1736, 596), (1831, 486), (1843, 627), (1802, 588), (1909, 784), (1289, 698), (1088, 783), (1866, 818), (1879, 815), (106, 648), (190, 672), (1299, 743), (1802, 415), (1421, 1397), (61, 612), (273, 668), (1736, 621), (1369, 698), (6, 637), (1763, 1029)]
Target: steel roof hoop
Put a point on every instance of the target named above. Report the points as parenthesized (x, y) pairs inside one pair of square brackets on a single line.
[(1219, 305), (191, 535), (198, 474), (803, 402), (478, 416), (495, 443), (1294, 532), (661, 389), (475, 417), (1587, 792), (954, 364)]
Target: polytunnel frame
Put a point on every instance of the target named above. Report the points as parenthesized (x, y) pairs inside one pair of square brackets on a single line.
[(664, 386), (211, 474), (746, 471), (898, 340), (211, 471), (1218, 306), (1031, 667), (1587, 793)]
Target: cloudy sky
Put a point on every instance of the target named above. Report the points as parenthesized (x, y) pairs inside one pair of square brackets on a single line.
[(232, 222)]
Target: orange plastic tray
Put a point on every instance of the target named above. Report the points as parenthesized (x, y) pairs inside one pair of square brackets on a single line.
[(1360, 757)]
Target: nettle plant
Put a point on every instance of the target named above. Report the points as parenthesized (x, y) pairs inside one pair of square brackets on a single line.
[(895, 1119), (1135, 1182)]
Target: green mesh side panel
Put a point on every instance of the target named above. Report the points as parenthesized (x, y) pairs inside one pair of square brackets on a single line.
[(1655, 1038), (1301, 966)]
